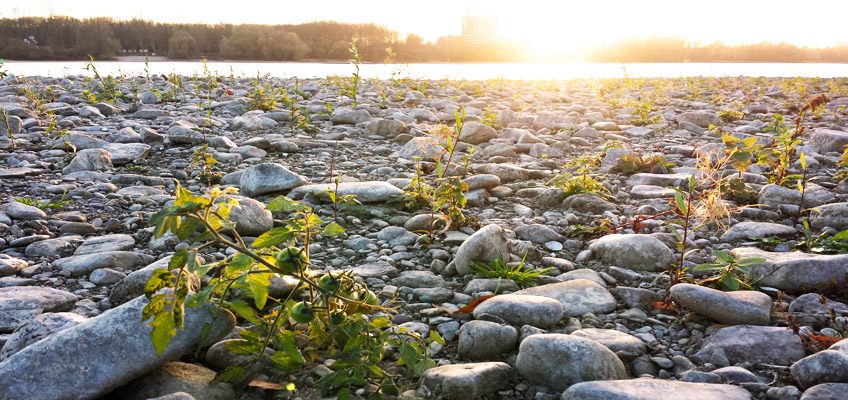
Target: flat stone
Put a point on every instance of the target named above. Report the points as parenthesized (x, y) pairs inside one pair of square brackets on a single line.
[(20, 172), (828, 140), (585, 202), (828, 366), (795, 272), (750, 229), (578, 297), (742, 307), (467, 381), (826, 391), (375, 270), (834, 215), (11, 265), (653, 389), (268, 178), (19, 304), (174, 377), (364, 192), (87, 263), (38, 328), (100, 244), (622, 344), (24, 212), (663, 180), (86, 361), (755, 344), (520, 310), (651, 192)]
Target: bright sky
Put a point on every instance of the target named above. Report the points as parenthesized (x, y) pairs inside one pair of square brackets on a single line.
[(549, 25)]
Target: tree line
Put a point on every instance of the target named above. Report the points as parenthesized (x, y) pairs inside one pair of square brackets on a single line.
[(67, 38)]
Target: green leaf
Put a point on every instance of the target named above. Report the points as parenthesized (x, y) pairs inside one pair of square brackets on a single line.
[(289, 347), (803, 160), (422, 366), (708, 267), (284, 204), (187, 228), (161, 278), (692, 183), (841, 235), (243, 309), (243, 347), (408, 355), (751, 261), (435, 337), (723, 256), (231, 374), (389, 388), (178, 259), (164, 327), (730, 281), (373, 370), (681, 204), (273, 237), (383, 322), (343, 394), (333, 229)]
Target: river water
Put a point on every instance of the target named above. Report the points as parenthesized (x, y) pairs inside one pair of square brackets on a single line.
[(471, 71)]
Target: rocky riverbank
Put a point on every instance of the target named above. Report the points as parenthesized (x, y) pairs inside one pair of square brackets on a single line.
[(87, 174)]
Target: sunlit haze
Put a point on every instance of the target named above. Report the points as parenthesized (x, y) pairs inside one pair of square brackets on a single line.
[(549, 27)]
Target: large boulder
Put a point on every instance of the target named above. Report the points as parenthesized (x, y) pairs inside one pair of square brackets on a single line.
[(87, 263), (88, 361), (559, 361), (833, 215), (481, 340), (467, 381), (578, 296), (90, 160), (487, 244), (653, 389), (38, 328), (633, 251), (828, 366), (743, 307), (751, 229), (476, 133), (364, 192), (522, 310), (795, 272), (756, 344), (268, 178), (19, 304), (829, 140)]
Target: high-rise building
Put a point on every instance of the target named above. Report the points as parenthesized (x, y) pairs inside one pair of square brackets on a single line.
[(480, 29)]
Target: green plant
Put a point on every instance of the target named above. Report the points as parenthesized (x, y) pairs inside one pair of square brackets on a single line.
[(3, 74), (730, 115), (42, 205), (354, 87), (733, 274), (8, 126), (490, 118), (582, 183), (780, 152), (501, 270), (53, 131), (741, 153), (202, 158), (108, 84), (823, 243), (630, 164), (332, 317), (683, 200), (643, 111)]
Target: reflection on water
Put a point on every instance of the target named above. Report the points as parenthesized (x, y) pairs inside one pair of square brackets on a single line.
[(471, 71)]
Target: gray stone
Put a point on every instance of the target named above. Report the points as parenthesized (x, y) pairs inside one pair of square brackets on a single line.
[(480, 340), (476, 133), (397, 236), (106, 276), (467, 381), (49, 248), (342, 116), (636, 297), (828, 366), (251, 217), (578, 297), (487, 244), (364, 192), (85, 264), (586, 202), (634, 251), (521, 310), (827, 391), (774, 196), (387, 128), (833, 215), (743, 307), (506, 172), (185, 132), (538, 233), (38, 328), (663, 180), (419, 279), (809, 304), (100, 244), (425, 147), (756, 344), (24, 212), (701, 118), (558, 361), (498, 285), (124, 153), (86, 362), (582, 273), (795, 272), (653, 389), (133, 285), (828, 140), (750, 229), (736, 374), (268, 178), (375, 270), (622, 344), (90, 160), (175, 377), (11, 265), (19, 304), (651, 192)]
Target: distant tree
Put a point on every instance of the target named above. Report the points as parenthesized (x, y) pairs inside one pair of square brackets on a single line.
[(282, 46), (182, 45), (96, 38)]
